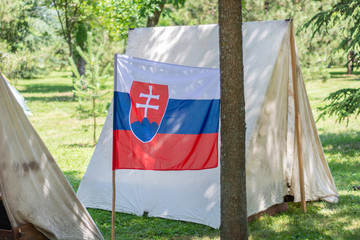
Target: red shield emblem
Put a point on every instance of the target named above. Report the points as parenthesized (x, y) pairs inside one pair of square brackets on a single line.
[(148, 106)]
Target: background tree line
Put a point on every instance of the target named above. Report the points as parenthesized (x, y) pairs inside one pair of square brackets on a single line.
[(37, 36)]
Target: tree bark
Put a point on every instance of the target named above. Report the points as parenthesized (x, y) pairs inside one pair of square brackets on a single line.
[(266, 5), (67, 24), (154, 20), (94, 118), (350, 64), (80, 64), (233, 175), (69, 42)]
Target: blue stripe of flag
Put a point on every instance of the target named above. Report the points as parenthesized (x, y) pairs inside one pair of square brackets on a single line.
[(181, 116)]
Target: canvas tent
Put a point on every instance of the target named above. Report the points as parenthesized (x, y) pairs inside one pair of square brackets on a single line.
[(19, 98), (271, 152), (33, 190)]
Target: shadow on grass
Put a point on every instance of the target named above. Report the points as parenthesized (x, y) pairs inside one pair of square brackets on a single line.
[(343, 155), (132, 227), (344, 175), (343, 72), (54, 74), (322, 221), (78, 145), (47, 88), (74, 177), (345, 144), (343, 75), (343, 140), (51, 99)]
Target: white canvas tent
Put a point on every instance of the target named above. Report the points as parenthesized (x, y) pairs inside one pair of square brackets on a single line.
[(33, 189), (271, 152), (19, 98)]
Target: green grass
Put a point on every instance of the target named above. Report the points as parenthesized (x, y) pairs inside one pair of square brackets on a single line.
[(69, 139)]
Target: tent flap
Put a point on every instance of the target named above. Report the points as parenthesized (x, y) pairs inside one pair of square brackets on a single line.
[(32, 186)]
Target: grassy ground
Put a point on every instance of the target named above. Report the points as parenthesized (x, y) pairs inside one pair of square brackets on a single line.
[(69, 139)]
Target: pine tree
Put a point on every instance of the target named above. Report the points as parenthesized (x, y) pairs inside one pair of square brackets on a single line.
[(90, 87)]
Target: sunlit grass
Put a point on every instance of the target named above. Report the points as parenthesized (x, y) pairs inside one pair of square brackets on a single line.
[(69, 139)]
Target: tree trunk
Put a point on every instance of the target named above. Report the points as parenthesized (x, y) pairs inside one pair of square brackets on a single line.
[(233, 175), (71, 54), (80, 64), (266, 5), (69, 42), (94, 118), (154, 20), (350, 64)]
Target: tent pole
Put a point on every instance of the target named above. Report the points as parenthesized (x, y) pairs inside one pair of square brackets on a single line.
[(297, 117), (113, 206)]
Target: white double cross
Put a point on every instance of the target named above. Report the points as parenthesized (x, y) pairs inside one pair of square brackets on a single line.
[(147, 105)]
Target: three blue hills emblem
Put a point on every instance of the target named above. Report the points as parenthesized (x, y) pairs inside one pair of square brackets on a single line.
[(144, 130), (148, 106)]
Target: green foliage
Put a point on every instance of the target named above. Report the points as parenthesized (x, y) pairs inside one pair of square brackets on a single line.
[(343, 104), (26, 31), (119, 16), (23, 64), (56, 55), (344, 17), (25, 25), (14, 24), (90, 87), (194, 12), (147, 8), (317, 71), (315, 53), (75, 20)]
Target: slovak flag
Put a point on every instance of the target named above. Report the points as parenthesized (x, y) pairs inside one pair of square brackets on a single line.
[(166, 117)]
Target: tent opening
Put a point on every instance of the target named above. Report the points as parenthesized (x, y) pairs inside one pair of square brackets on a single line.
[(24, 232), (4, 219)]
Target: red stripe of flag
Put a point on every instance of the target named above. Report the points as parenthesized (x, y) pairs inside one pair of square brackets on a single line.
[(165, 151)]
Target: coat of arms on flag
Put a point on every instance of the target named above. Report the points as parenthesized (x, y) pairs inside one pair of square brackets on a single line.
[(148, 105), (166, 117)]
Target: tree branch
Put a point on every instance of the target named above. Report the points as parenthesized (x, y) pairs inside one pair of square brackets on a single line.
[(73, 21), (61, 22)]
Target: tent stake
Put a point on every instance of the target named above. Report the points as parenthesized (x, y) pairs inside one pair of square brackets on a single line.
[(113, 207), (297, 118)]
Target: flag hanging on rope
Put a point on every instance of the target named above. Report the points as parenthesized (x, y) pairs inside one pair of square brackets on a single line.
[(166, 117)]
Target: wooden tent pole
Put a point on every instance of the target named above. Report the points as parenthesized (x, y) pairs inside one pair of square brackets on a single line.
[(297, 117), (113, 206)]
